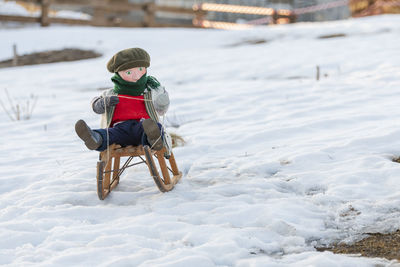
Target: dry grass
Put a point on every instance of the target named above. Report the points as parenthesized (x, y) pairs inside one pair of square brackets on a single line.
[(396, 159), (375, 245), (177, 140), (18, 110)]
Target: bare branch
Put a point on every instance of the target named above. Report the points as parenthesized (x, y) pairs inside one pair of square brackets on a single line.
[(5, 109), (33, 105)]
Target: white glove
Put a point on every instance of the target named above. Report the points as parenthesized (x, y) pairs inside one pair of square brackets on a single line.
[(160, 100)]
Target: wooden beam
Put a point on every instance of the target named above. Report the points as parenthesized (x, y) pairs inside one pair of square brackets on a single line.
[(32, 1), (119, 7), (173, 25), (19, 18), (70, 21), (126, 24), (163, 167), (73, 2), (173, 9)]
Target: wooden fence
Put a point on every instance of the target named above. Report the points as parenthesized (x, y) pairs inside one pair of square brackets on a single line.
[(104, 13), (113, 13), (122, 13)]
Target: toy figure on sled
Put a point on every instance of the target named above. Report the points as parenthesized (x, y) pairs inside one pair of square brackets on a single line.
[(130, 124)]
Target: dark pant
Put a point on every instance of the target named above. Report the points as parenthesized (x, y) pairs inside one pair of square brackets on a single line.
[(125, 133)]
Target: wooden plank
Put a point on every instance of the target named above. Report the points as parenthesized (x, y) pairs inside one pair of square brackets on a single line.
[(62, 2), (116, 168), (172, 162), (173, 9), (72, 2), (115, 173), (119, 7), (172, 25), (70, 21), (19, 18), (126, 24), (31, 1), (107, 175), (163, 166), (226, 8), (127, 151), (99, 178)]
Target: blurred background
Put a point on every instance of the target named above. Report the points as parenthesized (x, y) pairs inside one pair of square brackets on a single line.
[(225, 14)]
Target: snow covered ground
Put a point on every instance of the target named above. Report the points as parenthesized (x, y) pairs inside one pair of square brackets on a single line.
[(275, 161)]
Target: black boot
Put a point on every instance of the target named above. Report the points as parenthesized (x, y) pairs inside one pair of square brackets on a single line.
[(92, 139), (153, 134)]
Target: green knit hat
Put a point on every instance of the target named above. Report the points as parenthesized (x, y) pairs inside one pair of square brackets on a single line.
[(127, 59)]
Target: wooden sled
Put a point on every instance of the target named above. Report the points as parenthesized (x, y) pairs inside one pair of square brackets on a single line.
[(109, 171)]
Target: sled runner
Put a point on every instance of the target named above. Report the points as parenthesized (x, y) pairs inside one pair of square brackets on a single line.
[(109, 171)]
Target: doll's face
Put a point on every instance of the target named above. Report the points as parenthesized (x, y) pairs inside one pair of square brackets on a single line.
[(133, 74)]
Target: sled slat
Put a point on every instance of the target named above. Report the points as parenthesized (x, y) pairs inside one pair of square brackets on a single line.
[(174, 167), (163, 166), (116, 167), (106, 182), (100, 177), (115, 179)]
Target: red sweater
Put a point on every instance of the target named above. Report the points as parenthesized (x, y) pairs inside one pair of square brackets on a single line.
[(129, 108)]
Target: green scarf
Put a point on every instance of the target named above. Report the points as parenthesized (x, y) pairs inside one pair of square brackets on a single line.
[(129, 88)]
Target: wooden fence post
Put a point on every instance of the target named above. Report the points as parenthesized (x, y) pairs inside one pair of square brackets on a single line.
[(15, 56), (199, 15), (99, 13), (275, 17), (44, 18), (292, 18), (149, 15)]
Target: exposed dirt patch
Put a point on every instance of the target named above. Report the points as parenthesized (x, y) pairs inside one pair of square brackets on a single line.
[(328, 36), (249, 42), (68, 54), (376, 245)]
